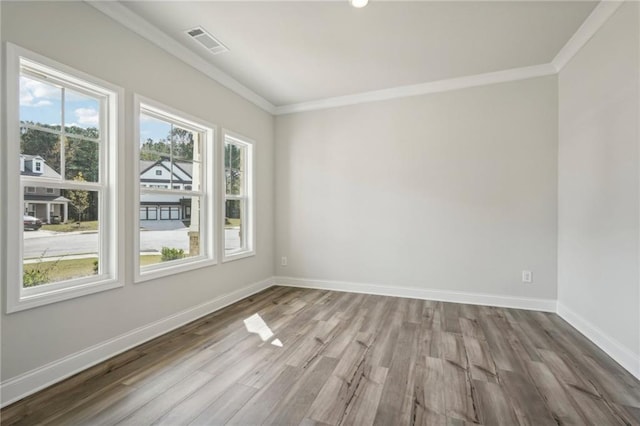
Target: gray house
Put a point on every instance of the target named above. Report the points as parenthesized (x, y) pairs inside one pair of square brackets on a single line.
[(47, 204)]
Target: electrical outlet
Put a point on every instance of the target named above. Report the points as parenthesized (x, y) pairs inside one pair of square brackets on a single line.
[(283, 261), (527, 276)]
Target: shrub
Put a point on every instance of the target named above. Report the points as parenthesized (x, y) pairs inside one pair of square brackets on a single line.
[(38, 274), (95, 266), (171, 254), (35, 276)]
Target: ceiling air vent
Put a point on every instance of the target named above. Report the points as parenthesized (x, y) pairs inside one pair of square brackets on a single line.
[(207, 40)]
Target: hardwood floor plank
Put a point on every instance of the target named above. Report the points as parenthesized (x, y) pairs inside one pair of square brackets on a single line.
[(595, 410), (562, 406), (396, 401), (479, 360), (527, 403), (429, 404), (297, 401), (362, 411), (155, 408), (493, 405), (258, 408), (221, 410), (87, 411)]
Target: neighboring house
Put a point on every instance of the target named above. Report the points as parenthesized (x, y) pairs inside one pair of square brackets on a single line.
[(47, 204), (159, 174)]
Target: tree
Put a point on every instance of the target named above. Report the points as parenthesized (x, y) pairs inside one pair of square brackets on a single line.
[(44, 144), (79, 199), (155, 150), (182, 142)]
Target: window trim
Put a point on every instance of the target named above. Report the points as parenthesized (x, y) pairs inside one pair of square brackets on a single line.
[(209, 189), (112, 237), (249, 190)]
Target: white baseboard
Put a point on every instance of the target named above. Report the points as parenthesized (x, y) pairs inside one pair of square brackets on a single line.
[(621, 354), (546, 305), (30, 382), (18, 387)]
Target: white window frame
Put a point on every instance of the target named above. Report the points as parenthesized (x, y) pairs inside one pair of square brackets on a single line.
[(248, 219), (111, 242), (207, 192)]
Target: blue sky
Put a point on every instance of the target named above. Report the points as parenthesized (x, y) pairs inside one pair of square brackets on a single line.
[(42, 103)]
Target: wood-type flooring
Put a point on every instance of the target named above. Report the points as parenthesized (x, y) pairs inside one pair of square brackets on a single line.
[(291, 356)]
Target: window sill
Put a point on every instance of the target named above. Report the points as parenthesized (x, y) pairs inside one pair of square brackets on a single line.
[(60, 294), (238, 255), (152, 273)]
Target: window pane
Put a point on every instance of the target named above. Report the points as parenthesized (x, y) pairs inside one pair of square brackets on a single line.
[(54, 249), (171, 234), (82, 160), (234, 169), (82, 114), (186, 175), (184, 147), (233, 240), (40, 150), (154, 142), (40, 103)]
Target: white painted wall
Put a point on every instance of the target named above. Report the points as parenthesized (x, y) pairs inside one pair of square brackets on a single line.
[(599, 222), (61, 31), (453, 191)]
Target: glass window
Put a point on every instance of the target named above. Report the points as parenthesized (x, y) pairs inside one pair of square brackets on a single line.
[(238, 213), (65, 139), (174, 157)]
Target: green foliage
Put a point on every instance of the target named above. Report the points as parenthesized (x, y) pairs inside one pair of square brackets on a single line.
[(95, 266), (79, 199), (178, 145), (169, 253), (34, 277), (80, 155), (39, 273), (233, 168)]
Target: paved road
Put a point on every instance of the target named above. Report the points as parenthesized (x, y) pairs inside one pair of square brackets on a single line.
[(49, 244)]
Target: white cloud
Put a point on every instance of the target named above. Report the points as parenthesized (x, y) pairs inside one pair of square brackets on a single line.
[(87, 116), (37, 94)]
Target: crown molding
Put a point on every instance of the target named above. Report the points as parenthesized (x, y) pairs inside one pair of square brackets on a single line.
[(422, 89), (135, 23), (600, 14)]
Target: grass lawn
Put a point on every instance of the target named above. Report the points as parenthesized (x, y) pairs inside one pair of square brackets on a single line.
[(149, 260), (75, 268), (72, 226), (63, 269), (231, 223)]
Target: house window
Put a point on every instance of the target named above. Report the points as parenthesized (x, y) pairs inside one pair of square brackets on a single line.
[(238, 206), (64, 122), (183, 147), (158, 172), (169, 213), (148, 213)]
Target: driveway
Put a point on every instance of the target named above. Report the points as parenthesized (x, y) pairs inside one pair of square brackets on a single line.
[(51, 244)]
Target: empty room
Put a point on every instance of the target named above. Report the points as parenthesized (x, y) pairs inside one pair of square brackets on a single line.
[(329, 212)]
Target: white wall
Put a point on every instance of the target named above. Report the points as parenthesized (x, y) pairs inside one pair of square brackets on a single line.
[(598, 246), (453, 191), (61, 31)]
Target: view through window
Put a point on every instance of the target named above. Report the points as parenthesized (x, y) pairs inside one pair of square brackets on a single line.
[(173, 193), (61, 150)]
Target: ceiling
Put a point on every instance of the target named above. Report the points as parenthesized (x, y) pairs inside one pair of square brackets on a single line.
[(294, 52)]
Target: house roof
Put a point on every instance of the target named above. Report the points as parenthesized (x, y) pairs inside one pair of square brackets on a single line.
[(47, 171), (47, 198), (185, 166)]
